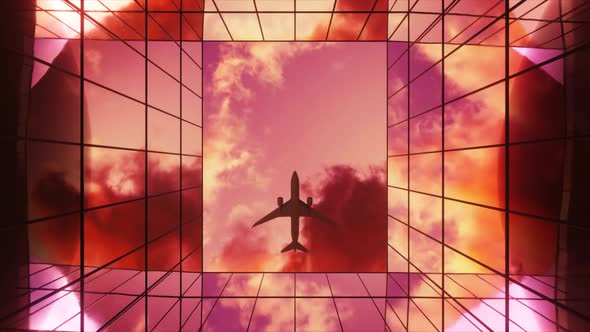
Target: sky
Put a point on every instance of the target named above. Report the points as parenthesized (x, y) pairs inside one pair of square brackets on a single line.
[(262, 111), (274, 108)]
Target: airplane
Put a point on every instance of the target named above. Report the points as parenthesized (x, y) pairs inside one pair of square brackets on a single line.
[(294, 208)]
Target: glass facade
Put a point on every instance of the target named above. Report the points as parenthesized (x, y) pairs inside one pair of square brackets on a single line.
[(125, 127)]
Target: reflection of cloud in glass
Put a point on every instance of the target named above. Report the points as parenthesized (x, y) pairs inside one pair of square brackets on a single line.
[(473, 121), (61, 311), (522, 314)]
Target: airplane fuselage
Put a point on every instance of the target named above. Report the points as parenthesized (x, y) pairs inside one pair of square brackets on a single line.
[(295, 228), (296, 214), (294, 186)]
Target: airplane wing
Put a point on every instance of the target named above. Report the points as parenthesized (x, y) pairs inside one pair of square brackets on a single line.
[(282, 211), (312, 213)]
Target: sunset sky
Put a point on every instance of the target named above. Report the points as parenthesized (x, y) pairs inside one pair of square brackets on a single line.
[(274, 108), (320, 109)]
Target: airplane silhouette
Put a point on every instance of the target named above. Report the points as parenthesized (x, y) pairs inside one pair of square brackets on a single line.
[(294, 208)]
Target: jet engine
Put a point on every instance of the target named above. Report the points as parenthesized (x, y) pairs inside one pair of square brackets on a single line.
[(279, 201), (309, 201)]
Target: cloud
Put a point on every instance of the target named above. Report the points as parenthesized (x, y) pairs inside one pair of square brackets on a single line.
[(113, 176), (226, 120), (478, 176), (360, 213), (271, 314), (347, 26), (263, 61), (230, 160), (240, 254), (359, 206), (54, 194)]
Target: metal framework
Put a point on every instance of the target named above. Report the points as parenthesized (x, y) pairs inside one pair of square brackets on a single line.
[(192, 296)]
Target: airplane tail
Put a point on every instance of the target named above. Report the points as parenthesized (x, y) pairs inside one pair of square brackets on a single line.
[(294, 246)]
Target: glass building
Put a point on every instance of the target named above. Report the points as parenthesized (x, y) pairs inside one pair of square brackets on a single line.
[(449, 140)]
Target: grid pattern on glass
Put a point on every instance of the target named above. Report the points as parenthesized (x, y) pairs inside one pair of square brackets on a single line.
[(464, 163), (113, 149), (539, 41), (248, 300), (295, 20)]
